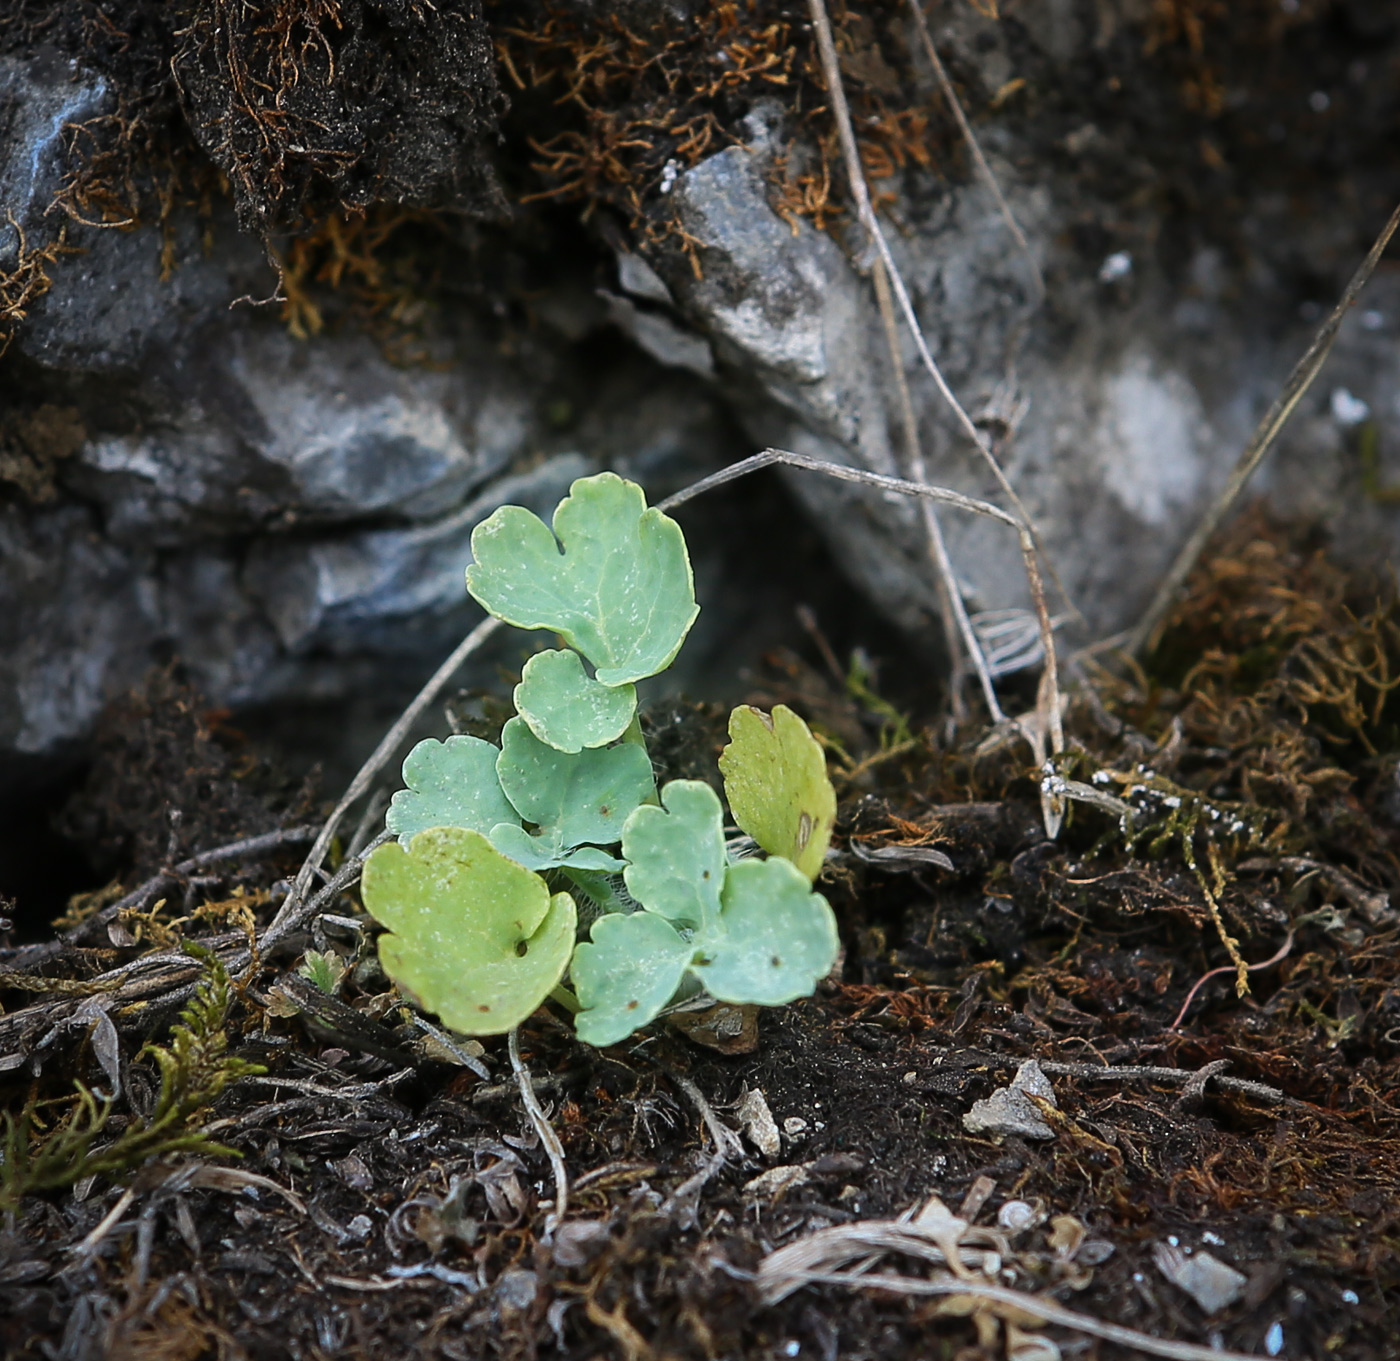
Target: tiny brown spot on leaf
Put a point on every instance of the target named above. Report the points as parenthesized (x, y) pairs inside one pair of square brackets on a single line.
[(776, 962), (481, 1006), (804, 830), (633, 1005)]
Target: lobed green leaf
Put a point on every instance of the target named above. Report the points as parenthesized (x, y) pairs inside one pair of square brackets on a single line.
[(474, 936), (566, 708), (450, 784), (750, 932), (675, 854), (777, 939), (615, 582), (626, 975), (572, 797)]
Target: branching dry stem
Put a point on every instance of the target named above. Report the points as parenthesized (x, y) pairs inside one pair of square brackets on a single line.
[(831, 69)]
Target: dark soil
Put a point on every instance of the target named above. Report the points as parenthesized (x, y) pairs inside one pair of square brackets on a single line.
[(1269, 697)]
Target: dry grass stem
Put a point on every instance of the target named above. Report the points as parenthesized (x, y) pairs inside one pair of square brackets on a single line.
[(1145, 636), (1014, 1302), (957, 627), (826, 47), (540, 1121)]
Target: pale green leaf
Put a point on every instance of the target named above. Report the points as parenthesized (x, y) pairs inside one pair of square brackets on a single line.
[(475, 937), (566, 708), (572, 797), (450, 784), (751, 932), (777, 939), (616, 583), (676, 855), (547, 850), (778, 789), (626, 974)]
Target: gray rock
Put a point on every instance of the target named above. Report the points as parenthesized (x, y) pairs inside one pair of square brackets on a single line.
[(38, 100), (292, 518), (353, 591), (282, 433), (75, 623), (1010, 1110), (1118, 408)]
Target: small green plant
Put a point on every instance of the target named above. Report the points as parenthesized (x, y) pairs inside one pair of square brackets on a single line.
[(193, 1071), (323, 969), (494, 843)]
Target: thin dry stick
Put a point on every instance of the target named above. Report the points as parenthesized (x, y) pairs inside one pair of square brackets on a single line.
[(904, 487), (946, 87), (1172, 1077), (1037, 1305), (831, 70), (383, 754), (140, 896), (1146, 634), (545, 1130), (957, 627), (767, 458)]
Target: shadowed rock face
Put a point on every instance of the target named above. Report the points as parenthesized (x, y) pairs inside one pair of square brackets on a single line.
[(292, 517)]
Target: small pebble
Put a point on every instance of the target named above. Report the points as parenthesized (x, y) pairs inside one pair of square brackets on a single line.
[(794, 1125)]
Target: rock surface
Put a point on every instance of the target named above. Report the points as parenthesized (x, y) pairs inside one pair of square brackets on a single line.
[(292, 517)]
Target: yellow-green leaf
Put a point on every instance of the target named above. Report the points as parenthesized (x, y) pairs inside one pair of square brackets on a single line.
[(778, 789), (476, 937)]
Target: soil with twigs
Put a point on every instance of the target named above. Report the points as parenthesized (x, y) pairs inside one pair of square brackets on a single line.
[(377, 1197)]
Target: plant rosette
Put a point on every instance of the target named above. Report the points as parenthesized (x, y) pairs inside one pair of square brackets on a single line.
[(476, 893)]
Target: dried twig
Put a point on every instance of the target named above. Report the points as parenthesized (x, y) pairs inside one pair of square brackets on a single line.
[(1146, 634), (29, 955), (286, 922), (831, 70), (957, 626), (903, 487), (842, 473), (545, 1130), (989, 179), (1176, 1077), (1036, 1305)]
